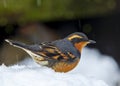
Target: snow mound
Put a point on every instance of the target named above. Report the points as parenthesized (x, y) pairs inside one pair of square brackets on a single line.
[(94, 69), (95, 64), (42, 76)]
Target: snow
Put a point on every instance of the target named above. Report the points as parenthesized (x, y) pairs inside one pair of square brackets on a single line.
[(103, 67), (94, 69)]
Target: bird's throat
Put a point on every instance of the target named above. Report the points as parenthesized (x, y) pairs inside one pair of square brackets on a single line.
[(79, 46)]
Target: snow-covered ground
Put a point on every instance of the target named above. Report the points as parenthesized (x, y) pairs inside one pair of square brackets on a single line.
[(94, 69)]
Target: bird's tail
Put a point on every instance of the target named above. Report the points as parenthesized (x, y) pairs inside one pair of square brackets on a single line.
[(30, 49), (17, 44), (24, 46)]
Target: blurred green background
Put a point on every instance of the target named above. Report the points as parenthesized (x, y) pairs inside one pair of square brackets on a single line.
[(19, 11)]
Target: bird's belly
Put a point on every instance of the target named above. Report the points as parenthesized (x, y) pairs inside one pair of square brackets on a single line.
[(65, 66)]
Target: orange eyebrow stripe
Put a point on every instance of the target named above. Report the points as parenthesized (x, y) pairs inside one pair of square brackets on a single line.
[(74, 36)]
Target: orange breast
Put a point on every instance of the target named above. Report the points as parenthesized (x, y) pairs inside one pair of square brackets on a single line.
[(65, 66)]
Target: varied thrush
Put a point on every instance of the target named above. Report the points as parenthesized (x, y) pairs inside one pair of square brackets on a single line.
[(61, 55)]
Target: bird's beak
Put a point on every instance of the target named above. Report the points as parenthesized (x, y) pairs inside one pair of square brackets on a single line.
[(91, 41)]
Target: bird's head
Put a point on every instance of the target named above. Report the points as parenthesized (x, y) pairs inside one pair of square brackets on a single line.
[(79, 40)]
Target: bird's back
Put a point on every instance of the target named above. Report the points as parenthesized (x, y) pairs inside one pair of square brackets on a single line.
[(66, 46)]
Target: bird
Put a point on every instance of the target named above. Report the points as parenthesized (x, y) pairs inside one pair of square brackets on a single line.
[(61, 55)]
